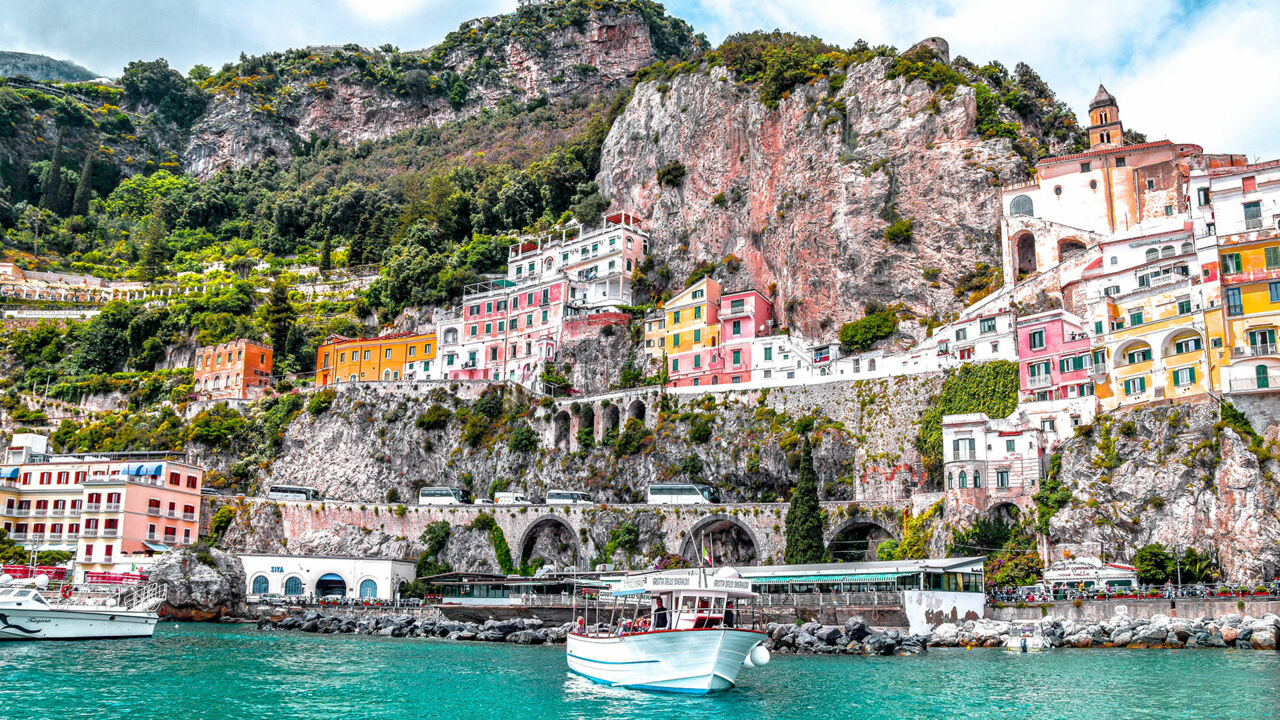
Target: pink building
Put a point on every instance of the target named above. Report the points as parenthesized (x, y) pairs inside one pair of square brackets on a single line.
[(740, 317), (1054, 355)]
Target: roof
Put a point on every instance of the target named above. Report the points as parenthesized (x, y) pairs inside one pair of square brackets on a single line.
[(850, 578), (1102, 98), (1107, 151)]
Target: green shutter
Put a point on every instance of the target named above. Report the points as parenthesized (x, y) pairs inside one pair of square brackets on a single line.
[(1273, 256)]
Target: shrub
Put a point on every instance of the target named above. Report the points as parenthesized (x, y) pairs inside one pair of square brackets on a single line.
[(671, 174), (221, 520), (523, 438), (700, 431), (634, 438), (435, 418), (393, 495), (990, 388), (321, 401), (900, 232), (861, 335), (218, 426)]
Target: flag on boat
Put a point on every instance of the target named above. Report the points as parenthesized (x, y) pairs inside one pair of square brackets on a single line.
[(706, 556)]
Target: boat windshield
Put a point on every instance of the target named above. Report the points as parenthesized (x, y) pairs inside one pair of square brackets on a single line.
[(656, 612)]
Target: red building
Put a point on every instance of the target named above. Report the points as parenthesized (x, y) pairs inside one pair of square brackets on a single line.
[(240, 369)]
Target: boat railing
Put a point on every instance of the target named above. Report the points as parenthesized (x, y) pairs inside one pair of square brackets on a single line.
[(597, 617)]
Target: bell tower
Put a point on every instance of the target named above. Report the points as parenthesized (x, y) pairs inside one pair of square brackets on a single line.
[(1105, 129)]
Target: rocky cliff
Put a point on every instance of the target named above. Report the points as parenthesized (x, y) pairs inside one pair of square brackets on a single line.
[(1170, 475), (802, 193), (200, 584), (352, 94)]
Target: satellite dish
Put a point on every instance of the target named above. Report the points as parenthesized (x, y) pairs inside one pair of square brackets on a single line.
[(727, 572), (42, 581)]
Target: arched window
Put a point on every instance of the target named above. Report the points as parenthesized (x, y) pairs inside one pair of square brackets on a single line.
[(293, 586), (368, 589), (963, 480), (1186, 247), (260, 585), (1166, 251), (951, 481), (977, 479), (386, 374), (1021, 205), (871, 365), (1153, 254)]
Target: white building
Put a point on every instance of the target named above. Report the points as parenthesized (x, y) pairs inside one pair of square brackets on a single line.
[(320, 576)]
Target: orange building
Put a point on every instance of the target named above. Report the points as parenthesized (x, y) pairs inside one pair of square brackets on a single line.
[(235, 370), (401, 356)]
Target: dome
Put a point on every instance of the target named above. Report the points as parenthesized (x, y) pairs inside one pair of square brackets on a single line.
[(1102, 99)]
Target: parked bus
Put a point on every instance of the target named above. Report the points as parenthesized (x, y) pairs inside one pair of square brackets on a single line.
[(683, 494), (292, 492), (511, 498), (439, 496), (568, 497)]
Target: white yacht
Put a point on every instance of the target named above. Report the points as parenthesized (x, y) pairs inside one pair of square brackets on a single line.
[(677, 631), (26, 614)]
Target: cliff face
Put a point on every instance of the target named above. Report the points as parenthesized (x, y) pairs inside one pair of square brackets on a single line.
[(604, 50), (801, 193), (1172, 479)]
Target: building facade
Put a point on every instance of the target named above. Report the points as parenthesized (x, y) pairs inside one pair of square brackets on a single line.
[(322, 576), (706, 336), (240, 369), (398, 356)]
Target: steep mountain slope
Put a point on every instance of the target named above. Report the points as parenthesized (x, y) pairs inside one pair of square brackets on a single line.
[(265, 106), (42, 67)]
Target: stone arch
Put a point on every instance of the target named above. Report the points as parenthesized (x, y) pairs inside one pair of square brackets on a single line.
[(1069, 247), (587, 419), (725, 537), (1169, 346), (636, 409), (550, 538), (562, 423), (331, 583), (1025, 253), (1007, 512), (609, 420), (856, 540)]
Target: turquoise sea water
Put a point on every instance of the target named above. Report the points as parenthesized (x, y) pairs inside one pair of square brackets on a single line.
[(191, 672)]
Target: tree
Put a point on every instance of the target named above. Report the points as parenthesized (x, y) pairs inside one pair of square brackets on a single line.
[(326, 255), (861, 335), (155, 249), (804, 518), (84, 190), (523, 438), (172, 96), (51, 182), (1153, 563), (280, 316)]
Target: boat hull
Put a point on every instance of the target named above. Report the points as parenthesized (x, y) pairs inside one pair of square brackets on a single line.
[(684, 661), (35, 624)]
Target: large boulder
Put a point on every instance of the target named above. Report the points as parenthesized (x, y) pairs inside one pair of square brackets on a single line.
[(201, 584)]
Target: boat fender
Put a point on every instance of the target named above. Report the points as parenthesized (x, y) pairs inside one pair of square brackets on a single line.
[(66, 591), (758, 656)]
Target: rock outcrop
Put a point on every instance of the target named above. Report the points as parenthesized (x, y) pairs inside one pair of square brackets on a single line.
[(200, 584), (1159, 631), (801, 193), (1169, 475)]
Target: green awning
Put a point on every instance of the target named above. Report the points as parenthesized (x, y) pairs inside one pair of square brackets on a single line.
[(157, 546), (845, 579)]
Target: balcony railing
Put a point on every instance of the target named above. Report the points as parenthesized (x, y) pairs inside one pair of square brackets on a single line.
[(18, 537), (170, 539), (89, 532), (73, 512), (54, 536), (71, 536), (1099, 369), (35, 536), (152, 537), (153, 511), (1270, 381), (110, 532), (20, 512), (57, 512), (1253, 223), (189, 517), (1262, 349), (92, 507), (39, 512), (1039, 381), (172, 514), (111, 507)]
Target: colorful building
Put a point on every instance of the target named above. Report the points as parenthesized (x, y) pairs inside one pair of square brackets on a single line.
[(993, 464), (239, 369), (115, 515), (706, 336), (398, 356), (1238, 210)]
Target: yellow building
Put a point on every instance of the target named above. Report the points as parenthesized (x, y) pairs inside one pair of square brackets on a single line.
[(688, 321), (1250, 267), (402, 356)]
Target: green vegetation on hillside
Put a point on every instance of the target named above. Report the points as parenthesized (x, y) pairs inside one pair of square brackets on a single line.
[(990, 387)]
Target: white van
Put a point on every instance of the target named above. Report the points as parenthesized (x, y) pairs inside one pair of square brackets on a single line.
[(439, 496), (682, 494), (568, 497), (511, 498)]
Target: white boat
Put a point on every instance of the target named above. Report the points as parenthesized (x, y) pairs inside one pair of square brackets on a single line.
[(25, 613), (676, 631), (1026, 639)]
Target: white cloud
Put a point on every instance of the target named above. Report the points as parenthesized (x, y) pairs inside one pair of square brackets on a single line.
[(383, 10)]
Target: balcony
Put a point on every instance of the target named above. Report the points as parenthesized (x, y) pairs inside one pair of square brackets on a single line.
[(170, 540), (92, 507), (152, 537), (189, 517), (744, 311), (54, 536), (111, 507), (153, 511), (1268, 382), (1039, 381), (18, 537), (73, 512), (1252, 224), (35, 536), (1098, 370), (110, 532), (1259, 350), (19, 512), (39, 512), (173, 514), (57, 512), (89, 532), (71, 536)]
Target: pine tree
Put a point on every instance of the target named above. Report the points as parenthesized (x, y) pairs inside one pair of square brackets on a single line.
[(51, 182), (80, 205), (155, 249), (326, 251), (280, 317), (804, 518)]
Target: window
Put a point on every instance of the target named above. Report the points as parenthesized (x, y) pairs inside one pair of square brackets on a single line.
[(1119, 161), (964, 448), (1021, 205), (293, 586), (1010, 445), (951, 481), (697, 313), (1202, 196), (1187, 345), (1184, 306), (488, 328), (1168, 211), (1097, 327), (413, 351), (964, 481), (387, 355), (1002, 478), (1152, 254), (698, 294), (1234, 306), (1036, 339), (737, 327), (987, 325), (962, 334), (1273, 256), (1111, 290), (675, 340), (1134, 386), (1085, 389), (977, 479), (675, 365), (697, 335), (1151, 184), (1084, 167), (1184, 376), (737, 357), (366, 354), (697, 361), (259, 584), (1139, 355), (1252, 215), (368, 589), (1274, 289), (1261, 376), (1135, 317), (768, 352), (675, 316)]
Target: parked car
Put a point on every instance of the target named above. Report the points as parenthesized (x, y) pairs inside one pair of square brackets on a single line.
[(271, 599), (482, 501)]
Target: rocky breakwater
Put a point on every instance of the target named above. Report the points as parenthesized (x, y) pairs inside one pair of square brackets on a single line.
[(855, 637), (201, 584), (1160, 631), (518, 631)]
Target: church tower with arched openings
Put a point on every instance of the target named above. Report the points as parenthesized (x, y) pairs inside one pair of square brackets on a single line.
[(1105, 129)]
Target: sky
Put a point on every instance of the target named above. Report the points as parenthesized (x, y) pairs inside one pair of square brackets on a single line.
[(1187, 70)]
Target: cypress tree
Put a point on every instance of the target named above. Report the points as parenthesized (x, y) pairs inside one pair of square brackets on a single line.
[(280, 316), (80, 205), (51, 182), (326, 251), (155, 249), (804, 518)]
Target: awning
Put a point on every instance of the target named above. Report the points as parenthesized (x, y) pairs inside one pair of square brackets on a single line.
[(146, 469), (157, 547), (9, 473), (844, 579)]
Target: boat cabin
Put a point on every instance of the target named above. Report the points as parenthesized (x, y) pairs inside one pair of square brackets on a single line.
[(683, 600), (21, 597)]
